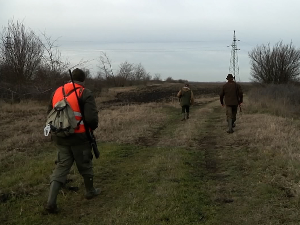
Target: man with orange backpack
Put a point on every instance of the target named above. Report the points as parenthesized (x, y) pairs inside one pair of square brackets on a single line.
[(76, 145)]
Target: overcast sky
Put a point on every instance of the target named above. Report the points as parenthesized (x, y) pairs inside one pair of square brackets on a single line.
[(182, 39)]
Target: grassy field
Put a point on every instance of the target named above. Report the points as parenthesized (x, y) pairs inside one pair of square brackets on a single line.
[(155, 169)]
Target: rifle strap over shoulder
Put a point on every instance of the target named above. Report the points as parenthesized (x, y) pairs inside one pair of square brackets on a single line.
[(64, 93)]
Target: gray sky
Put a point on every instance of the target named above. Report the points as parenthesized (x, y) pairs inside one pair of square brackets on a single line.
[(182, 39)]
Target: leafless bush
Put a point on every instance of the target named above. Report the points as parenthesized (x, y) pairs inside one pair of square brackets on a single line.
[(157, 77), (128, 74), (29, 67), (277, 65), (21, 52)]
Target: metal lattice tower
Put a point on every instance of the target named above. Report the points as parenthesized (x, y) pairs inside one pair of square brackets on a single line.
[(234, 65)]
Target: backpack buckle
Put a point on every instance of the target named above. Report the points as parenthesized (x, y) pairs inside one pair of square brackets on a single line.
[(47, 130)]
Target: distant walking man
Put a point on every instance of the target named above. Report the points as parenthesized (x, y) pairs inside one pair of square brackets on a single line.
[(186, 98), (75, 147), (233, 98)]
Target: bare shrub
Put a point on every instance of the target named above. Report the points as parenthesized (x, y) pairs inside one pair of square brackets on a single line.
[(29, 67), (277, 65), (21, 50), (127, 74)]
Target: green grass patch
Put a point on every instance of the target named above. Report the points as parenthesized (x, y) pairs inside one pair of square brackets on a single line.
[(140, 185)]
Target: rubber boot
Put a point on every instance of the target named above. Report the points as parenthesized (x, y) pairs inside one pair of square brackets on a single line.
[(91, 192), (183, 117), (230, 130), (51, 206)]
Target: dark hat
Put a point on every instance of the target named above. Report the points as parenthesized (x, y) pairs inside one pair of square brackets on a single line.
[(229, 76), (78, 75), (186, 85)]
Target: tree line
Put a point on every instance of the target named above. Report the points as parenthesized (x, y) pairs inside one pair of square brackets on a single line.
[(31, 66)]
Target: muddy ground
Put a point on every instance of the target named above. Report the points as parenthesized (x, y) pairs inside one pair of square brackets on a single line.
[(160, 93), (166, 93)]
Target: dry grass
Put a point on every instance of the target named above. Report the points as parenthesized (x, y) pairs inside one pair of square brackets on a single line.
[(128, 123), (22, 141), (279, 100), (21, 126), (276, 139), (278, 142), (124, 124), (278, 107)]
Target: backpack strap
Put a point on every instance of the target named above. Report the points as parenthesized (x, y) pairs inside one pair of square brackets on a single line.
[(64, 94)]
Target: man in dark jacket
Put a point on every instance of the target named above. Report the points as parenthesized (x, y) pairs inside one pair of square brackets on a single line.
[(233, 98), (186, 97), (75, 147)]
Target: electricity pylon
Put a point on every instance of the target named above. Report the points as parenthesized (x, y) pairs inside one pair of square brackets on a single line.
[(234, 62)]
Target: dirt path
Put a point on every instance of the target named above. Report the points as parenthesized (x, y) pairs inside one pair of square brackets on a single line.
[(239, 184)]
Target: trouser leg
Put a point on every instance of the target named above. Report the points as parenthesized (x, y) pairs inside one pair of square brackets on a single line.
[(183, 112), (83, 158), (230, 130), (64, 163), (58, 178), (234, 112), (229, 114), (187, 112)]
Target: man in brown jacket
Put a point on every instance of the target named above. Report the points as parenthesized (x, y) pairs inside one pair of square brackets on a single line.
[(233, 98)]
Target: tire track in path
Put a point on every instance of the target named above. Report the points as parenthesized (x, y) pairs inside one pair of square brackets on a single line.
[(176, 133), (234, 179)]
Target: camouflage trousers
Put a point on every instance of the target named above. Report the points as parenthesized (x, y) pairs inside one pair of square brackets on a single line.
[(231, 111), (66, 155)]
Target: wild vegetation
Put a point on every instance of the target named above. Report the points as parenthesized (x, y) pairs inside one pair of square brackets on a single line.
[(156, 169), (278, 64)]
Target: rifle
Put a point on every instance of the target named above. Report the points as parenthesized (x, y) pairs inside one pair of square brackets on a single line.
[(88, 131)]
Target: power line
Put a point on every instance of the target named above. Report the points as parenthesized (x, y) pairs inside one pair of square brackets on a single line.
[(234, 66)]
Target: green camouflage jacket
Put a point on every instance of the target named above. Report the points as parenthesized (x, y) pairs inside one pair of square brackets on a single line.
[(186, 96)]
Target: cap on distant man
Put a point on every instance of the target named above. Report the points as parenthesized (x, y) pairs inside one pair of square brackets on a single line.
[(229, 77), (186, 85), (78, 75)]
